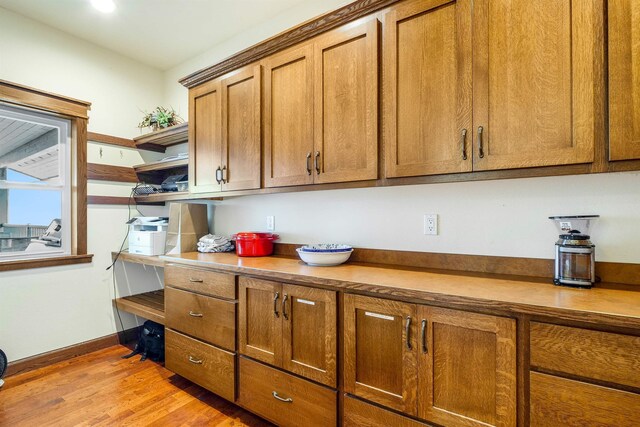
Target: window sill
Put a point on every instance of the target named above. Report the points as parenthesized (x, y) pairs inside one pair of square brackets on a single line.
[(45, 262)]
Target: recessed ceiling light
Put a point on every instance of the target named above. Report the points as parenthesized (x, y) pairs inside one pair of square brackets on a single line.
[(104, 6)]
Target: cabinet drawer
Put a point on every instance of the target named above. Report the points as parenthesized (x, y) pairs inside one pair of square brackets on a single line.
[(558, 401), (591, 354), (201, 281), (360, 414), (307, 404), (205, 365), (209, 319)]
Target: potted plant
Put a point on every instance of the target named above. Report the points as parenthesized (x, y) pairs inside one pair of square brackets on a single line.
[(160, 118)]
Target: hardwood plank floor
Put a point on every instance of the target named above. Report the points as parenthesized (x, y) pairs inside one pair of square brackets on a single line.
[(101, 389)]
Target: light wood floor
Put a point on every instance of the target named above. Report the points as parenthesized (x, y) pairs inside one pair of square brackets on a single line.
[(101, 389)]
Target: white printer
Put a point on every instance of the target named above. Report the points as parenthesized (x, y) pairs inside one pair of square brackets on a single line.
[(147, 235)]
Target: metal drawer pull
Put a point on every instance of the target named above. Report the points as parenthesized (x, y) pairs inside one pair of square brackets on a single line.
[(194, 314), (218, 175), (284, 307), (192, 280), (407, 329), (317, 162), (309, 163), (480, 148), (275, 304), (423, 333), (195, 361), (287, 400), (225, 178), (463, 140)]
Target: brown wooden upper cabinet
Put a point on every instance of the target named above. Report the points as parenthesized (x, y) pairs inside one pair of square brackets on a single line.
[(449, 367), (624, 79), (224, 139), (529, 73), (288, 326)]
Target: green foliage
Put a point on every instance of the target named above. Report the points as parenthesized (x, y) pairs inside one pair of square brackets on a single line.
[(160, 118)]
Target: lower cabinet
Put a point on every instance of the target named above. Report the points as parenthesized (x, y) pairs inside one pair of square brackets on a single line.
[(284, 399), (204, 364), (361, 414), (446, 366)]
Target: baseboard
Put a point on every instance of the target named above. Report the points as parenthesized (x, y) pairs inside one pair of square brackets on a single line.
[(54, 356)]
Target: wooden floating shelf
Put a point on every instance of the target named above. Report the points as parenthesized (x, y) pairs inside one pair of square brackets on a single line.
[(159, 166), (163, 197), (149, 305), (138, 259), (164, 138)]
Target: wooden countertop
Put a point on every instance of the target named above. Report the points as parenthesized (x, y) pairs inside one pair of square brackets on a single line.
[(606, 303)]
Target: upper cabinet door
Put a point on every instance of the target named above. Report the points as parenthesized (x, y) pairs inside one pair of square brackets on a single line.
[(380, 351), (309, 333), (346, 104), (537, 82), (624, 79), (241, 129), (259, 324), (427, 88), (205, 137), (467, 368), (288, 118)]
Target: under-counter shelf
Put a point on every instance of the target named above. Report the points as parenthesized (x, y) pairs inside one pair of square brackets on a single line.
[(138, 259), (149, 305)]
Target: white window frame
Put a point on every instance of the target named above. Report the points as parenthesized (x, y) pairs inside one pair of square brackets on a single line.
[(62, 184)]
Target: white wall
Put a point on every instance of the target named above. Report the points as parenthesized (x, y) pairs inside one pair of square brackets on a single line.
[(502, 218), (49, 308)]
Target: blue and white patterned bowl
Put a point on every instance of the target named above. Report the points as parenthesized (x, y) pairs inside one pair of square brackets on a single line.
[(324, 259), (326, 248)]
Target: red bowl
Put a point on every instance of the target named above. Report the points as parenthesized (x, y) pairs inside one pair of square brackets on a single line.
[(254, 244)]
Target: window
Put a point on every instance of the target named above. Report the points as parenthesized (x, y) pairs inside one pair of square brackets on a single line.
[(35, 184)]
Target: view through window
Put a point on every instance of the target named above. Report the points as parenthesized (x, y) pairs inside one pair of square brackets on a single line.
[(35, 184)]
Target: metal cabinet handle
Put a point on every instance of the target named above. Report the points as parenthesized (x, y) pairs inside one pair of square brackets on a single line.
[(423, 333), (480, 148), (275, 304), (284, 307), (195, 361), (192, 280), (309, 163), (218, 175), (194, 314), (463, 143), (281, 399), (224, 175), (407, 329), (316, 162)]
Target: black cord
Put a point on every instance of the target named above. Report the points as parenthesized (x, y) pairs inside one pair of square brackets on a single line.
[(115, 259)]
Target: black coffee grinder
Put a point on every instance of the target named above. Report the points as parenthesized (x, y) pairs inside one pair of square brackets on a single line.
[(575, 254)]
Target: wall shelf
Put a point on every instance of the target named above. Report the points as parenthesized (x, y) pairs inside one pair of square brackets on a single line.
[(160, 166), (149, 305), (164, 138)]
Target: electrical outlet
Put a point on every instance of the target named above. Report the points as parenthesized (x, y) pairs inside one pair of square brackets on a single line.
[(271, 223), (431, 224)]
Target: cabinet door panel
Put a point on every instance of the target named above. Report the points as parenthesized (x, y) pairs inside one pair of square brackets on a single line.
[(537, 82), (259, 325), (427, 99), (309, 333), (241, 129), (288, 124), (467, 368), (624, 79), (379, 357), (346, 103), (205, 137)]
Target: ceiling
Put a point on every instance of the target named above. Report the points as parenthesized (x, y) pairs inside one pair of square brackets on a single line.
[(25, 147), (159, 33)]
